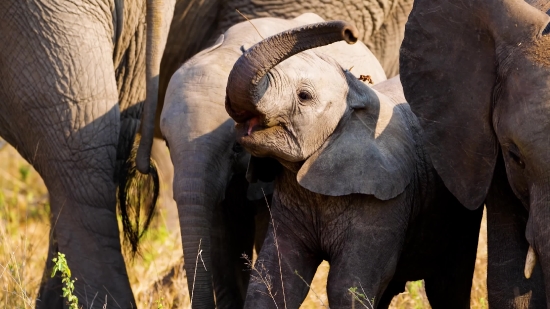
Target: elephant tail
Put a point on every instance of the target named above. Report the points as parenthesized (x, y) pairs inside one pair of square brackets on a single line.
[(137, 193)]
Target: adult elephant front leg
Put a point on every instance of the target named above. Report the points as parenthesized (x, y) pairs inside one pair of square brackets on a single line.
[(58, 107)]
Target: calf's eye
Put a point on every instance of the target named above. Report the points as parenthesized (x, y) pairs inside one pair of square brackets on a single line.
[(304, 96)]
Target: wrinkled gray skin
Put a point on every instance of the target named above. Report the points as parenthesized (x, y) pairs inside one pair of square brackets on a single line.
[(355, 189), (72, 80), (210, 166), (483, 99)]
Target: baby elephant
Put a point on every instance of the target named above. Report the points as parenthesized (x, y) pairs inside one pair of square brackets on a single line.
[(353, 185)]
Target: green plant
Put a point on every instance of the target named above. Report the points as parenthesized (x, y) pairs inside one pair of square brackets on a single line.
[(24, 172), (60, 264), (483, 303), (159, 303), (416, 291)]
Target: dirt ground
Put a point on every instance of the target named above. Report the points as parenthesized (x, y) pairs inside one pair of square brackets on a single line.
[(157, 276)]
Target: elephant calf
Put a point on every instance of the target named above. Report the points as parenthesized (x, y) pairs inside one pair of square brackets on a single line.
[(353, 185), (219, 210)]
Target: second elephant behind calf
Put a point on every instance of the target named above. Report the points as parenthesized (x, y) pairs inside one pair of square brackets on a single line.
[(354, 187)]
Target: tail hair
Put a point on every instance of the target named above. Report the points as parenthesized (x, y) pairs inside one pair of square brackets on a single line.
[(137, 195)]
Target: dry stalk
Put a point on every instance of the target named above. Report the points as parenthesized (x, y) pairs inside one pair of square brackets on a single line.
[(309, 286), (262, 276), (92, 305), (358, 296), (111, 297), (250, 23), (364, 293), (199, 254), (276, 247)]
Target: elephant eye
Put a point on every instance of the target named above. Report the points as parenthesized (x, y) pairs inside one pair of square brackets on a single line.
[(516, 159), (304, 96)]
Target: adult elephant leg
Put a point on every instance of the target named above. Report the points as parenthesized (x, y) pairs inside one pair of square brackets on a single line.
[(507, 248), (86, 230), (58, 101), (386, 41)]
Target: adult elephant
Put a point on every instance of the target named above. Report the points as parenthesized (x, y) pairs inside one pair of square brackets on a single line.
[(476, 73), (72, 82), (210, 184)]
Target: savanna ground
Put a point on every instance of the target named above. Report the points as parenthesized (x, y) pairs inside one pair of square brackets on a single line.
[(157, 275)]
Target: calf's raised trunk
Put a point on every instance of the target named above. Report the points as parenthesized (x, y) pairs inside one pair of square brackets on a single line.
[(247, 78)]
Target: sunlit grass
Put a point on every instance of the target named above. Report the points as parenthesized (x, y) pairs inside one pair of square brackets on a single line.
[(156, 275), (24, 227)]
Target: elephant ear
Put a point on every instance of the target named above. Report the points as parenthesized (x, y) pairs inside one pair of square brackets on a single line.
[(372, 151), (447, 65)]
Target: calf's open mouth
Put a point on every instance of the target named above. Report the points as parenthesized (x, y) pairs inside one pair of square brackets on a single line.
[(252, 124)]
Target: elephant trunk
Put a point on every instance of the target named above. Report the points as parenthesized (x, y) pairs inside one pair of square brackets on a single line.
[(248, 74), (195, 231), (195, 207), (153, 54), (199, 183)]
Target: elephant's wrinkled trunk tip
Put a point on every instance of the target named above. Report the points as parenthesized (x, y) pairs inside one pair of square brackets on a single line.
[(247, 78), (237, 115), (530, 262)]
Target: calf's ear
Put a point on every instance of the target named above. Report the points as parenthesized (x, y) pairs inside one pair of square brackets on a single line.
[(372, 151), (449, 65)]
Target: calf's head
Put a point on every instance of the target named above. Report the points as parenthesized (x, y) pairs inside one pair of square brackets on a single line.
[(302, 107)]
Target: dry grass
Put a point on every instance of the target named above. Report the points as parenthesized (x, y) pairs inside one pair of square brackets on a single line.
[(157, 277)]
